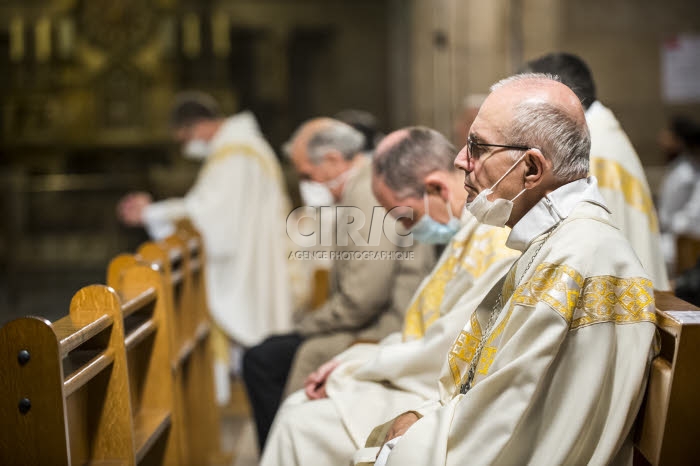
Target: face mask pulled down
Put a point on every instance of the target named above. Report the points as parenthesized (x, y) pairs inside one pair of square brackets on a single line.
[(496, 212)]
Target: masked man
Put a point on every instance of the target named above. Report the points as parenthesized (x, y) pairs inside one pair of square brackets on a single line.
[(239, 204), (368, 294), (550, 367), (413, 174)]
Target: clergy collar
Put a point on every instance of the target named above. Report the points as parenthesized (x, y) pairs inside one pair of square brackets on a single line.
[(552, 209)]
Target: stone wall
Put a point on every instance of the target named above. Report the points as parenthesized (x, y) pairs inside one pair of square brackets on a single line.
[(484, 41)]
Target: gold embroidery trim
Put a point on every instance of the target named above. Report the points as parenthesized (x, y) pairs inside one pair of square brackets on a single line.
[(485, 249), (614, 176), (463, 349), (613, 299), (555, 285), (425, 307), (598, 299), (581, 302), (473, 255)]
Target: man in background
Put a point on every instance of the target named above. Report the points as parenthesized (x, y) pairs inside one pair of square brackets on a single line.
[(615, 163), (239, 205), (679, 213), (369, 383), (368, 296)]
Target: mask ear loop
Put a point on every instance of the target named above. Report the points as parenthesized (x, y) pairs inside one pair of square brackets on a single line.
[(518, 195), (425, 204), (447, 203), (449, 208), (512, 167)]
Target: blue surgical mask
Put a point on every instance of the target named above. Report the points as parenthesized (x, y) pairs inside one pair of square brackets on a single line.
[(429, 231)]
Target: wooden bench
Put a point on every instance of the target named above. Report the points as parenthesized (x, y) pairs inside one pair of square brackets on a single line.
[(65, 387), (191, 355), (668, 430), (125, 378), (687, 252)]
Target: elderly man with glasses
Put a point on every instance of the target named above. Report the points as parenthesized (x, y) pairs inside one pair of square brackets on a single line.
[(550, 367)]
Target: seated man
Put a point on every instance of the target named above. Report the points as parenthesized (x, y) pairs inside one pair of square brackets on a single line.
[(550, 368), (615, 164), (413, 169), (368, 296)]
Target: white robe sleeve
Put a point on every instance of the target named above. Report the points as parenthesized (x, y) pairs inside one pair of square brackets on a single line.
[(159, 217), (221, 202)]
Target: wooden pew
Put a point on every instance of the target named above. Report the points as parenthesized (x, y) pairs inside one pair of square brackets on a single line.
[(148, 347), (65, 386), (125, 378), (181, 258), (668, 426), (687, 252)]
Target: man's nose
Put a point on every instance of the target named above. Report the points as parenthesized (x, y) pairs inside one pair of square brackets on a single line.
[(463, 161)]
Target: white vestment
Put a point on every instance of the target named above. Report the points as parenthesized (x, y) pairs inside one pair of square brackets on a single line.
[(679, 212), (676, 189), (561, 375), (623, 184), (376, 382), (239, 204)]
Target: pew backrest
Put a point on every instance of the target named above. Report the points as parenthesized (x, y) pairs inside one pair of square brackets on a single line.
[(65, 385), (123, 378), (668, 430)]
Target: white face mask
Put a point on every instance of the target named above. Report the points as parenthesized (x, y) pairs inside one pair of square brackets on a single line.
[(496, 212), (340, 179), (196, 149), (315, 194)]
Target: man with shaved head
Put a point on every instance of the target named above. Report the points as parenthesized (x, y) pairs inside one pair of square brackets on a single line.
[(550, 367), (344, 399), (369, 294)]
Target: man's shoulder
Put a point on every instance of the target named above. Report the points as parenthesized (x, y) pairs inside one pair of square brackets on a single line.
[(358, 191), (594, 246)]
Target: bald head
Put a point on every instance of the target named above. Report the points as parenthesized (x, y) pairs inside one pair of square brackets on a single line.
[(538, 111), (534, 88)]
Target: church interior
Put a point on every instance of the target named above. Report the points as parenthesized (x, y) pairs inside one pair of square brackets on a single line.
[(87, 90)]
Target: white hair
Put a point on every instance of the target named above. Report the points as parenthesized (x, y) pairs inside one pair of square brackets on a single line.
[(549, 128), (336, 136), (524, 78), (473, 101)]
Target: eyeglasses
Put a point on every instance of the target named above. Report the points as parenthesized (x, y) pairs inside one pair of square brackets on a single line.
[(472, 145)]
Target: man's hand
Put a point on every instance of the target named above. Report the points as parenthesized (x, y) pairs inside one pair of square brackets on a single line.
[(315, 383), (401, 425), (130, 208)]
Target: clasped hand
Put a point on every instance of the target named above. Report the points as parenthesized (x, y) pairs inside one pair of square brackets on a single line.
[(315, 383)]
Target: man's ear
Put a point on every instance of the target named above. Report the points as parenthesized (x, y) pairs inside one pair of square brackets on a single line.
[(536, 166), (434, 183)]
